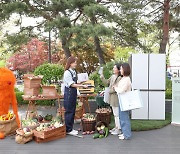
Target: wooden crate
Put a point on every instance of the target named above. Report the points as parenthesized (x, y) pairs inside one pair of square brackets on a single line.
[(32, 83), (49, 91), (31, 91), (40, 140), (87, 90), (61, 131)]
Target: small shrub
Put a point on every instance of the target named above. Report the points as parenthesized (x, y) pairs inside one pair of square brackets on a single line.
[(168, 88), (51, 72), (19, 98)]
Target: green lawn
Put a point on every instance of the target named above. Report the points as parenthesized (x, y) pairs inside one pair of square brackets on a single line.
[(144, 125)]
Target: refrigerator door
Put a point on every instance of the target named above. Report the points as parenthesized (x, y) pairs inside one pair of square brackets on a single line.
[(140, 71), (157, 105), (143, 112), (157, 71)]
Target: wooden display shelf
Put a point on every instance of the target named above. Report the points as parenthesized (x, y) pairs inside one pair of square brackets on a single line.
[(40, 140), (42, 98), (50, 133)]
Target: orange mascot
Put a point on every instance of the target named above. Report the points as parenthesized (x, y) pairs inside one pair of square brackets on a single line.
[(7, 94)]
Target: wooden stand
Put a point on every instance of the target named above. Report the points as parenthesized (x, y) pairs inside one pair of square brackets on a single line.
[(32, 102), (84, 98)]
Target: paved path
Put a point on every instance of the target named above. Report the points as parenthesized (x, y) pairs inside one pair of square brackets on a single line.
[(162, 141)]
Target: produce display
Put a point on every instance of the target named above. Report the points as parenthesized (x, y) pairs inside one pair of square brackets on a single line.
[(24, 131), (48, 117), (102, 130), (55, 123), (6, 117), (103, 110), (34, 77), (88, 117), (29, 123), (2, 136)]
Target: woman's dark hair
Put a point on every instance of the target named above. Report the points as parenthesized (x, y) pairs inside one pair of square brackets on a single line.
[(118, 65), (70, 60), (126, 69)]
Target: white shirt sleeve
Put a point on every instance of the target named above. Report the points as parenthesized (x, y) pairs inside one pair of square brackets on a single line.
[(68, 80)]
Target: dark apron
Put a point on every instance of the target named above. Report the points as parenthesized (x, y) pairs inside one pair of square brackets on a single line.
[(70, 98)]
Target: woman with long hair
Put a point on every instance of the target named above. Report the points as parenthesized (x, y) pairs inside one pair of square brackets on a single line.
[(70, 94), (113, 98), (124, 86)]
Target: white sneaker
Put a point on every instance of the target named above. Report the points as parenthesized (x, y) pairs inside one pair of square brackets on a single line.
[(73, 132), (112, 130), (115, 132), (122, 137)]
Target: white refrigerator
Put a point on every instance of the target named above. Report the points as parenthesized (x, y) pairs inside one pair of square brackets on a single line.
[(149, 76)]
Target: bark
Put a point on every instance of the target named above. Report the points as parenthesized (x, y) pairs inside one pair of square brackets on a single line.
[(66, 48), (165, 35), (49, 48), (99, 50)]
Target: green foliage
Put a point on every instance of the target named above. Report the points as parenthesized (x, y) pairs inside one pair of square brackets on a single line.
[(168, 88), (145, 125), (97, 81), (2, 63), (107, 71), (123, 53), (21, 101), (19, 98), (51, 72)]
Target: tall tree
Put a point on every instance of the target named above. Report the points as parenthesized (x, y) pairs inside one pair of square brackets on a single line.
[(165, 35)]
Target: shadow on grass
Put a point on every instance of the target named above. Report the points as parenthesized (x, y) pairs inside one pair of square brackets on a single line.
[(144, 125)]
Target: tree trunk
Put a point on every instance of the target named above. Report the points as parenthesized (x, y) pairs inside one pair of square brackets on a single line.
[(165, 35), (66, 48), (49, 48), (99, 50)]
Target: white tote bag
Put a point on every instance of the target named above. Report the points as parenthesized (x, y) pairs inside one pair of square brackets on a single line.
[(130, 100), (106, 95)]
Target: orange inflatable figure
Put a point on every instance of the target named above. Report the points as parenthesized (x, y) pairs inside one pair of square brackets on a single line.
[(7, 94)]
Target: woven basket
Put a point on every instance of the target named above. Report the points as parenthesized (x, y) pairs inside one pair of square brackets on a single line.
[(88, 125), (23, 138), (9, 126), (104, 117), (79, 113)]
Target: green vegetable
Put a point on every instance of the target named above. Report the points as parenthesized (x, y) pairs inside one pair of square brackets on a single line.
[(95, 136), (48, 117), (106, 131), (101, 136)]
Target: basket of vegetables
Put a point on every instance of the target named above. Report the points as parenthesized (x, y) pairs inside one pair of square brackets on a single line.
[(79, 110), (29, 123), (23, 135), (8, 123), (88, 122), (102, 130), (50, 131), (104, 115)]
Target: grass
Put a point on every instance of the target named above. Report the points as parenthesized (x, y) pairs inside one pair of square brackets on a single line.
[(144, 125)]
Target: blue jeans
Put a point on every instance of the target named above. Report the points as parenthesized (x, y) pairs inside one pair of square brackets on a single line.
[(70, 96), (125, 123)]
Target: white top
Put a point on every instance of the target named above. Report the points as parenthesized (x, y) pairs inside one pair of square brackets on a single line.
[(124, 85), (68, 80)]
